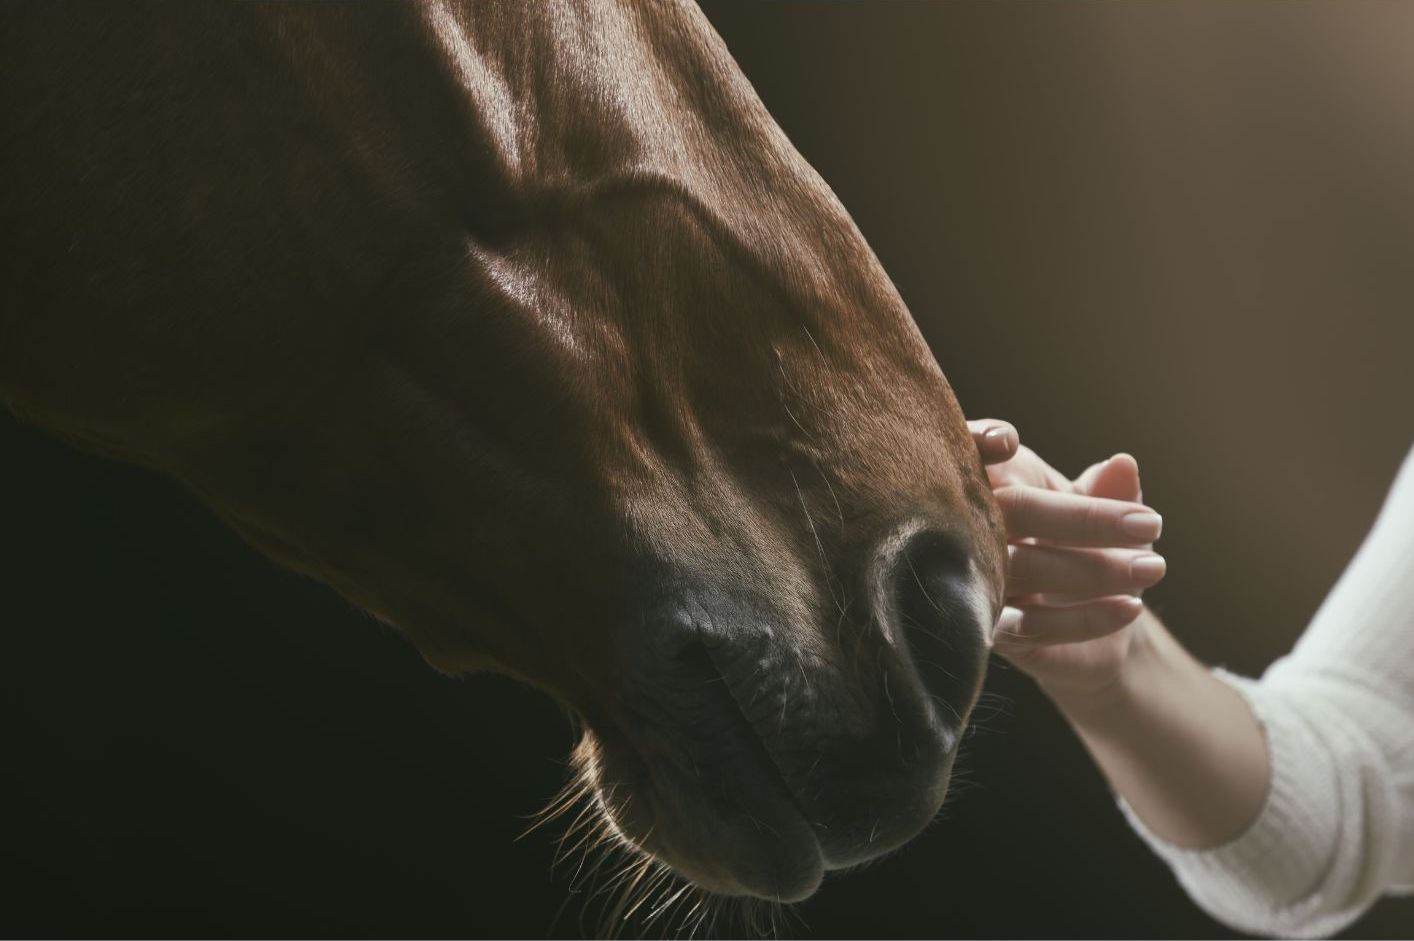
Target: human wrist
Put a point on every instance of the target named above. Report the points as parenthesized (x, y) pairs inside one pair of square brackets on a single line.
[(1180, 746), (1096, 705)]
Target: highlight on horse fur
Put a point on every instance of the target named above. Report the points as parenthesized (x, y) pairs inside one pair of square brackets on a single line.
[(617, 890)]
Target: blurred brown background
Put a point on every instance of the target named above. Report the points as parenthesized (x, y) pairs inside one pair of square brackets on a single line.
[(1184, 230), (1181, 229)]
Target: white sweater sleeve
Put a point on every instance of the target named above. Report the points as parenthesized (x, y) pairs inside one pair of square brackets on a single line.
[(1337, 829)]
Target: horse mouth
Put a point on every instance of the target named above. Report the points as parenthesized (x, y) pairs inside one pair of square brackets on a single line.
[(756, 785), (696, 786)]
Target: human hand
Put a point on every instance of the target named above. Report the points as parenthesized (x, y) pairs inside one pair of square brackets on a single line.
[(1080, 555)]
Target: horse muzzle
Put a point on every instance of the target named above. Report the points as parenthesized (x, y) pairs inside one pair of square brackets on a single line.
[(752, 754)]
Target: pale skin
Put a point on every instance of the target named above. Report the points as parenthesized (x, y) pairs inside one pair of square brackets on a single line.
[(1180, 746)]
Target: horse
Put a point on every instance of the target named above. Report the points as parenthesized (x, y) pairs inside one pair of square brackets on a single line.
[(524, 327)]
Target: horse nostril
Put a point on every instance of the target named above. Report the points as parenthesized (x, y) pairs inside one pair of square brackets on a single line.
[(941, 615)]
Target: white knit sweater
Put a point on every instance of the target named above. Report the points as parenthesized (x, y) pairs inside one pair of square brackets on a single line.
[(1337, 829)]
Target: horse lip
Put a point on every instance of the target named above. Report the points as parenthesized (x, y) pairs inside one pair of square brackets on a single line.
[(834, 856), (804, 835), (765, 744)]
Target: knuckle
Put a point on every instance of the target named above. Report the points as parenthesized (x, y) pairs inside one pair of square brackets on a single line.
[(1016, 502), (1094, 520), (1012, 497)]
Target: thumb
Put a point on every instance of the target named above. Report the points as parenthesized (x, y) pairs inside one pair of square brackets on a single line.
[(996, 440)]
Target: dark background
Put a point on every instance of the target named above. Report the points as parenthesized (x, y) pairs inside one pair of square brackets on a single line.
[(1178, 229)]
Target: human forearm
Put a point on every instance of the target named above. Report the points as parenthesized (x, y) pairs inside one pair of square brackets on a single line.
[(1281, 804), (1178, 744)]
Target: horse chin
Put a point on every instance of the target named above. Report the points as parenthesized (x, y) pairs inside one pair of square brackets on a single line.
[(731, 830)]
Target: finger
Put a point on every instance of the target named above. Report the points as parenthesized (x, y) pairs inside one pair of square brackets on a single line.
[(1080, 574), (1021, 628), (1075, 519), (1114, 479), (1027, 469), (1085, 483), (996, 440)]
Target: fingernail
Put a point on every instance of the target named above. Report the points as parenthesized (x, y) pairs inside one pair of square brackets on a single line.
[(998, 435), (1147, 569), (1009, 620), (1142, 525)]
